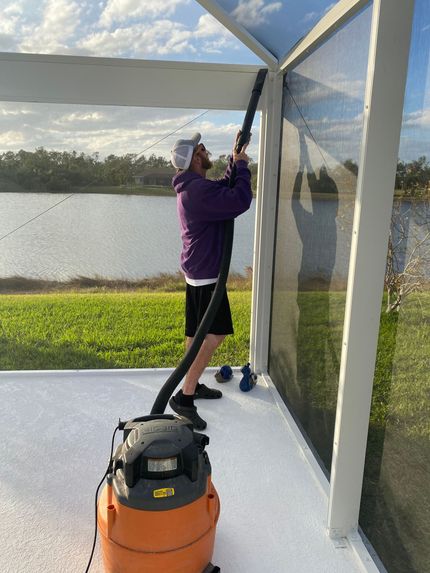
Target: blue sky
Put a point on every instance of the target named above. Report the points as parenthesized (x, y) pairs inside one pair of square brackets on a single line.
[(415, 138), (155, 29), (278, 25), (173, 30)]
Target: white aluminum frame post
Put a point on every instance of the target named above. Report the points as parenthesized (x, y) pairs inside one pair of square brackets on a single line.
[(384, 98), (265, 221)]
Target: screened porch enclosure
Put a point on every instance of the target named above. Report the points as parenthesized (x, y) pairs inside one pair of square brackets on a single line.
[(343, 125)]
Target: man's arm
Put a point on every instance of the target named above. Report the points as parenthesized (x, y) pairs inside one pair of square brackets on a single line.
[(207, 200), (225, 179)]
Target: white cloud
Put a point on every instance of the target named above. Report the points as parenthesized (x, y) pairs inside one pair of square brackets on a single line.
[(352, 88), (162, 37), (216, 38), (210, 26), (11, 139), (217, 46), (113, 28), (125, 10), (74, 117), (117, 130), (60, 20), (337, 138), (310, 17), (329, 87), (13, 9), (327, 126), (135, 138), (8, 21), (252, 13), (9, 24), (418, 119), (7, 112)]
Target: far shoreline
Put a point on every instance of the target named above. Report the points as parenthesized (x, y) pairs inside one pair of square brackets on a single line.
[(156, 191), (123, 190), (164, 282)]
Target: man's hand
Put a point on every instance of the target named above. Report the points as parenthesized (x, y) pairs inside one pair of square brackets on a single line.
[(239, 133), (240, 156)]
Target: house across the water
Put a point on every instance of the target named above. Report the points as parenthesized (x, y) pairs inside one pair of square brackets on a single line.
[(156, 176)]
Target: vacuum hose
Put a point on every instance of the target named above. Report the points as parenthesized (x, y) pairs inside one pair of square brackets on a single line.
[(180, 371)]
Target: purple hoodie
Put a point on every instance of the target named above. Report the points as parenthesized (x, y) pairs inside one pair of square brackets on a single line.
[(203, 206)]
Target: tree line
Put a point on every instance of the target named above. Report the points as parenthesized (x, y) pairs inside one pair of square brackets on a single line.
[(412, 177), (43, 170), (63, 170)]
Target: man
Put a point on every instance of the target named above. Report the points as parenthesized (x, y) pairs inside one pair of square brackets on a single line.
[(203, 205)]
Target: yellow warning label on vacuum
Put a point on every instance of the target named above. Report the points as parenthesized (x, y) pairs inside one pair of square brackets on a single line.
[(164, 492)]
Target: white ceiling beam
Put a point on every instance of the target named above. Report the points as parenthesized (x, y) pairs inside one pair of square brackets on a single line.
[(240, 32), (340, 13), (110, 81)]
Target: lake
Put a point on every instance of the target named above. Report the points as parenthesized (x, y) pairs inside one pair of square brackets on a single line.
[(135, 236), (109, 236)]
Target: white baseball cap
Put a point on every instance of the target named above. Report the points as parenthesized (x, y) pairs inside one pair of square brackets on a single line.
[(183, 150)]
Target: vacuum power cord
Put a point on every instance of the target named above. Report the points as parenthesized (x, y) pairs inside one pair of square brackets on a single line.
[(109, 469)]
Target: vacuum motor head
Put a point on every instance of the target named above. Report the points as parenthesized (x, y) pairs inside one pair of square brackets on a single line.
[(161, 458)]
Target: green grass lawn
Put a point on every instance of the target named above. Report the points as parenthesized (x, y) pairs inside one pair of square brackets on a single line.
[(106, 330), (402, 377), (144, 329)]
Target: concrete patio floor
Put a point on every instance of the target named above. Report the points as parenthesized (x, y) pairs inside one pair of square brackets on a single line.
[(56, 431)]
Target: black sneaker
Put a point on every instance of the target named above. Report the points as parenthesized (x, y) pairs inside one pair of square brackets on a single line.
[(188, 412), (203, 391)]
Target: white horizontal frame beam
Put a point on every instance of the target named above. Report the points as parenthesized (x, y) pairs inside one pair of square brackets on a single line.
[(338, 15), (110, 81), (383, 109), (240, 32)]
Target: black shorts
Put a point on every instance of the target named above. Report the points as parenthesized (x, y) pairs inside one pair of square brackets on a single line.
[(196, 302)]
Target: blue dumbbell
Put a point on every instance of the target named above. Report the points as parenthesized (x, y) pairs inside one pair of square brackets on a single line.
[(249, 379), (224, 374)]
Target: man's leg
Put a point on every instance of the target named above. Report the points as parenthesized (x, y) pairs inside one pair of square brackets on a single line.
[(201, 361), (183, 402), (197, 301)]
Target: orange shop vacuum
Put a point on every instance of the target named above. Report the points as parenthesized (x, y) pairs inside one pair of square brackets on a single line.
[(159, 509)]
